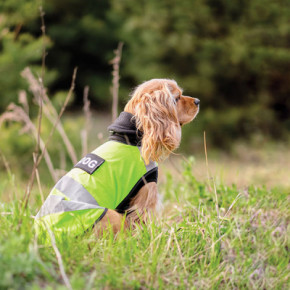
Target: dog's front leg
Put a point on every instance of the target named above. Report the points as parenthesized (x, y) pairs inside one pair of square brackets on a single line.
[(143, 205), (112, 220)]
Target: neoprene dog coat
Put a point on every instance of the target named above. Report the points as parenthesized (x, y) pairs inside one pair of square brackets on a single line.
[(107, 178)]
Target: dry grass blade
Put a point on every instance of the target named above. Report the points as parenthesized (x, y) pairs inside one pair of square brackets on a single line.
[(59, 258), (62, 162), (38, 180), (43, 30), (180, 253), (232, 204), (116, 77), (152, 243), (31, 180), (87, 113), (169, 240), (17, 114), (208, 248), (8, 170), (6, 164), (22, 99), (91, 280), (214, 186), (41, 80)]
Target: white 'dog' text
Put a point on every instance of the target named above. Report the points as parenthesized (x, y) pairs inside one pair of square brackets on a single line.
[(89, 162)]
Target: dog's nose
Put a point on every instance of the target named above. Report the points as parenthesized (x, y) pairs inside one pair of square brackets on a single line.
[(196, 101)]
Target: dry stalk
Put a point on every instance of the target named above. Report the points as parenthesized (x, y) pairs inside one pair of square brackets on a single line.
[(214, 185), (41, 82), (43, 29), (38, 180), (233, 203), (116, 77), (17, 114), (49, 110), (87, 113), (91, 280), (6, 164), (180, 253), (17, 30), (208, 248), (152, 243), (59, 258), (62, 162), (169, 241), (36, 164), (22, 99)]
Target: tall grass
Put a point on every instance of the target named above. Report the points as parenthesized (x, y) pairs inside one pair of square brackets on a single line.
[(178, 250), (207, 236)]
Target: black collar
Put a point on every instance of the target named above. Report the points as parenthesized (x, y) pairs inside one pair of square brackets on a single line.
[(124, 130)]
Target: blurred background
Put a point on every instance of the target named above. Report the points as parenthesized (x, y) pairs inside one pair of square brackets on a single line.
[(232, 55)]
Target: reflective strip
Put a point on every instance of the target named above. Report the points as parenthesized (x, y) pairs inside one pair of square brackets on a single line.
[(74, 190), (79, 197), (58, 204), (151, 165)]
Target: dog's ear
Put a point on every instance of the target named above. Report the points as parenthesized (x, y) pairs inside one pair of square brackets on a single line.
[(156, 116)]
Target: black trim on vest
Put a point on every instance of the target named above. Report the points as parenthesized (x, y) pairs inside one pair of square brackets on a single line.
[(100, 217), (150, 176)]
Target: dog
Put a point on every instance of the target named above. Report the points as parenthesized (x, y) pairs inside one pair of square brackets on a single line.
[(115, 186)]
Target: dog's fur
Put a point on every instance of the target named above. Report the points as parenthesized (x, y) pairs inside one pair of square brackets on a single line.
[(160, 110)]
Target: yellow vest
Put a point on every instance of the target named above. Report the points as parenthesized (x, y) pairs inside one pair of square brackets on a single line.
[(107, 178)]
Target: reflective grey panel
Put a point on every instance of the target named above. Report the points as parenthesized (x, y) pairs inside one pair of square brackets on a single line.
[(58, 204), (79, 197), (74, 190)]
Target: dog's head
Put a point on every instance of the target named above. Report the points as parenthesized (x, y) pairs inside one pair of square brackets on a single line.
[(160, 110)]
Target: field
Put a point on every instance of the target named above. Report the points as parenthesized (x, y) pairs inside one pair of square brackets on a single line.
[(224, 219), (229, 231)]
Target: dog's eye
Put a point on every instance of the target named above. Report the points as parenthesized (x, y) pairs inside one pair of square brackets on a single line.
[(177, 99)]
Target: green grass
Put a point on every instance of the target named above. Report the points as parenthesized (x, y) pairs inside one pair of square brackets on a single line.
[(188, 247)]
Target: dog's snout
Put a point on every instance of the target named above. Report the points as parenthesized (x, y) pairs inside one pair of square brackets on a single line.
[(196, 101)]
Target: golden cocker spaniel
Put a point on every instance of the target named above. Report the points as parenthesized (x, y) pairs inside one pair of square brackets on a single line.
[(116, 184), (159, 109)]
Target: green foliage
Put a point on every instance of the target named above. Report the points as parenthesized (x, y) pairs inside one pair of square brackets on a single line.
[(20, 263), (84, 38), (19, 48), (18, 147), (181, 250)]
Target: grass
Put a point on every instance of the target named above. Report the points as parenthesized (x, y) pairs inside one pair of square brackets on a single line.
[(182, 249)]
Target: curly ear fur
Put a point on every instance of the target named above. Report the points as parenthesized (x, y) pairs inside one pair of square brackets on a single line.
[(155, 112)]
